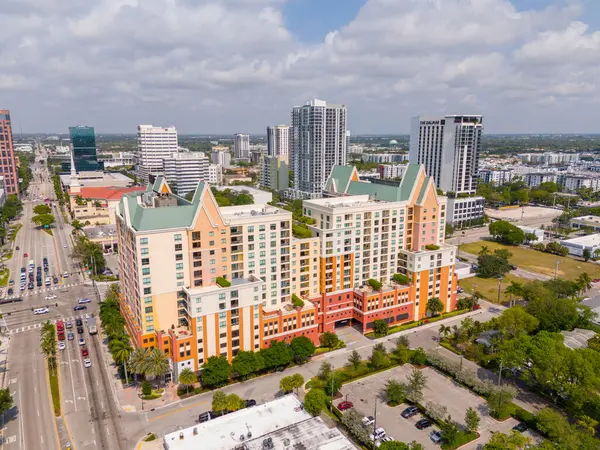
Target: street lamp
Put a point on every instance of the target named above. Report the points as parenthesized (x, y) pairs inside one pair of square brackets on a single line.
[(556, 269), (499, 287)]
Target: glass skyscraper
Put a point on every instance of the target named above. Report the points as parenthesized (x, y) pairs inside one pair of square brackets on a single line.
[(83, 141)]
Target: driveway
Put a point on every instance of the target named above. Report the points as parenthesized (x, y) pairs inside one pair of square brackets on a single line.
[(440, 389)]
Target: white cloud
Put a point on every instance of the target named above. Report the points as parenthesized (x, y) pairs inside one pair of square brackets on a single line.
[(223, 65)]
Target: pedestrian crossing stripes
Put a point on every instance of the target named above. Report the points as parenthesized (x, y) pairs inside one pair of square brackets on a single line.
[(28, 293), (39, 325)]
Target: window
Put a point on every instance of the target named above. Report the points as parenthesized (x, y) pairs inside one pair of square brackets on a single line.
[(178, 247), (144, 251), (177, 237), (178, 257), (224, 259), (146, 271), (221, 296), (211, 234), (212, 261), (222, 324), (250, 229), (147, 291), (148, 309), (180, 275), (147, 280), (223, 241), (195, 235), (179, 266), (145, 261), (143, 241), (211, 243), (148, 300)]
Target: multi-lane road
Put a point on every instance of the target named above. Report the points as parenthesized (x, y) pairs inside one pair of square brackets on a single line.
[(90, 416)]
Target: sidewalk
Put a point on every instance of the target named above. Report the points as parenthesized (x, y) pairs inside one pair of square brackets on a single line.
[(4, 344)]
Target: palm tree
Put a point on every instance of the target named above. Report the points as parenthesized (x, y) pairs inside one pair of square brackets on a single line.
[(584, 282), (48, 343), (137, 360), (515, 289), (187, 378), (444, 331), (113, 325), (121, 352), (157, 364), (484, 250), (466, 325)]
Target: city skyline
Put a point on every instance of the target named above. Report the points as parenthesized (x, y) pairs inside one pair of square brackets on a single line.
[(526, 65)]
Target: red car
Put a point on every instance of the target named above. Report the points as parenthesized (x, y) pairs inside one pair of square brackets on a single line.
[(596, 280), (345, 405), (84, 352), (25, 255)]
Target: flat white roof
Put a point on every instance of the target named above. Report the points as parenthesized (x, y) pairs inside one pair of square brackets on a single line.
[(592, 240), (282, 421), (594, 219), (245, 212)]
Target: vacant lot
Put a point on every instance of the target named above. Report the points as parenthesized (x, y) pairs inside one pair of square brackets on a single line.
[(534, 261), (488, 287)]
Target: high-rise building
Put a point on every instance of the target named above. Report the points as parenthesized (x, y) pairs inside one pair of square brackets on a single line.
[(221, 156), (8, 165), (448, 147), (83, 149), (241, 146), (183, 171), (318, 144), (278, 141), (274, 174), (154, 145), (215, 174), (201, 280)]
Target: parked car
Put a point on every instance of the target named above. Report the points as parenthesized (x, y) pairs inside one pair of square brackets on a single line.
[(409, 412), (66, 274), (596, 280), (383, 439), (204, 417), (70, 336), (25, 255), (84, 300), (379, 434), (423, 423), (79, 322), (345, 405), (55, 279), (79, 308), (520, 427), (50, 297), (69, 324), (250, 402), (436, 436), (460, 290), (61, 345), (368, 420), (11, 282), (10, 291)]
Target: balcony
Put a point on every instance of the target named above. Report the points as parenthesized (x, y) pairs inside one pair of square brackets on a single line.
[(284, 234), (236, 240), (285, 259), (237, 249), (235, 303)]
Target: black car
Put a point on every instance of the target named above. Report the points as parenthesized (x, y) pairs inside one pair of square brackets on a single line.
[(409, 412), (79, 322), (10, 291), (30, 286), (79, 330), (39, 282), (45, 268), (520, 427), (23, 270), (250, 402), (204, 417), (80, 308), (423, 423), (55, 280)]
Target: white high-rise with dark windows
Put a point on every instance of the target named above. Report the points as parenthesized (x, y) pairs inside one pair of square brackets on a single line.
[(318, 143), (154, 145), (448, 147), (241, 146), (278, 141)]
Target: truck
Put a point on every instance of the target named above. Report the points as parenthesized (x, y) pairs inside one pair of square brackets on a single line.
[(60, 330), (91, 323)]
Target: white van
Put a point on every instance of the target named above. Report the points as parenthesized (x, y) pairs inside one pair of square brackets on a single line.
[(41, 311), (48, 281)]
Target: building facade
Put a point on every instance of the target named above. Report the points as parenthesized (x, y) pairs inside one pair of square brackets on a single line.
[(205, 280), (573, 183), (221, 156), (241, 146), (464, 211), (391, 171), (448, 147), (318, 144), (534, 179), (384, 158), (497, 177), (154, 145), (8, 164), (83, 148), (278, 141), (215, 174), (274, 173), (183, 171)]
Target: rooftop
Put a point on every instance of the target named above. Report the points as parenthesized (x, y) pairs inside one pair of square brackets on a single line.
[(107, 192), (237, 282), (588, 219), (249, 211), (101, 231), (278, 424), (591, 240), (98, 179), (577, 338)]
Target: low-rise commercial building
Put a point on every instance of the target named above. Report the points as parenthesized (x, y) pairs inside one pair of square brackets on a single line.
[(96, 179), (465, 211), (215, 174), (586, 222), (497, 177), (577, 245), (538, 232), (97, 205)]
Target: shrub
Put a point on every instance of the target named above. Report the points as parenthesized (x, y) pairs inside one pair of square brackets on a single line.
[(432, 247), (380, 328), (352, 420), (146, 388), (435, 411), (297, 301), (376, 285), (315, 401), (419, 357), (223, 282), (329, 340), (400, 278)]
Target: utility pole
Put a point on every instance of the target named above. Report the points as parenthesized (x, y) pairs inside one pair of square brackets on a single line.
[(556, 269), (332, 376), (374, 424), (499, 384), (499, 287)]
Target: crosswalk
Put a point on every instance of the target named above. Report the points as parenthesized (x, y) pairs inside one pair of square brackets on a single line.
[(28, 293), (39, 325)]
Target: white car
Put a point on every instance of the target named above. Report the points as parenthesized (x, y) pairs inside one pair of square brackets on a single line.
[(61, 345), (368, 420), (379, 434), (87, 362), (84, 300), (41, 311), (50, 297), (66, 275), (65, 246), (384, 439)]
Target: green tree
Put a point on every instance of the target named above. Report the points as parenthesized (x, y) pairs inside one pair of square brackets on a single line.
[(6, 400), (137, 360), (499, 402), (584, 282), (472, 420), (233, 402), (157, 364), (416, 383), (515, 321), (333, 385), (77, 225), (289, 383), (329, 340), (450, 431), (515, 289), (245, 363), (302, 348), (378, 359), (419, 357), (219, 401), (187, 378), (513, 441), (493, 265), (393, 445), (352, 420), (43, 220), (216, 371), (434, 306), (394, 392), (315, 401), (325, 371), (587, 254), (354, 359), (121, 352), (400, 278), (146, 388), (506, 232), (277, 355), (380, 328), (42, 209)]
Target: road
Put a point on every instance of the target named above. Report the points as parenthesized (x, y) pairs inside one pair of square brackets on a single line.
[(88, 410)]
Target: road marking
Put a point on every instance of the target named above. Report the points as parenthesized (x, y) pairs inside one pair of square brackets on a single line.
[(184, 408), (10, 439)]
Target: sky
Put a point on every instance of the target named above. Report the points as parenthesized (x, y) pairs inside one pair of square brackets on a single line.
[(234, 66)]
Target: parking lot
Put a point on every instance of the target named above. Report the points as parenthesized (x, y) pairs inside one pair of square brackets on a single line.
[(440, 389)]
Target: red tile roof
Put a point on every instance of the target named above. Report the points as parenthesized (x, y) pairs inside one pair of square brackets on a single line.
[(107, 193)]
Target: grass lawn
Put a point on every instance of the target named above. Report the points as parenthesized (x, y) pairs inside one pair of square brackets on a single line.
[(54, 390), (464, 437), (4, 274), (534, 261), (488, 287)]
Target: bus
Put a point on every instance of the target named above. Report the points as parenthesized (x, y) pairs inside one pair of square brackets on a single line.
[(91, 322)]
